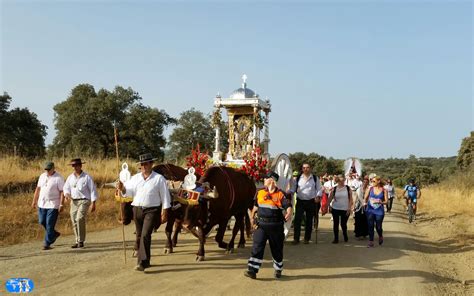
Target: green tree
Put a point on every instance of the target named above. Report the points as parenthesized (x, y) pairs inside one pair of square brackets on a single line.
[(320, 164), (85, 123), (423, 175), (21, 130), (466, 153), (193, 128)]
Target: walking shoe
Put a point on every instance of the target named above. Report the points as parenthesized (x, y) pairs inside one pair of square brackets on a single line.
[(251, 274), (45, 248), (370, 245), (277, 274), (380, 240), (57, 234), (139, 267), (335, 241), (145, 264), (306, 242), (295, 242), (78, 245)]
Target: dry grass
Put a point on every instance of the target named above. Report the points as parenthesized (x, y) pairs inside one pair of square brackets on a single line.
[(18, 172), (441, 201), (453, 196), (19, 222)]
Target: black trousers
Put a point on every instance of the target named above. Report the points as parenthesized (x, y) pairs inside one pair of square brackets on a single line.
[(274, 233), (339, 215), (389, 204), (317, 207), (145, 220), (360, 224), (307, 208)]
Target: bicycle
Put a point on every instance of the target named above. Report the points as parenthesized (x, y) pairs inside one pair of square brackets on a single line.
[(411, 211)]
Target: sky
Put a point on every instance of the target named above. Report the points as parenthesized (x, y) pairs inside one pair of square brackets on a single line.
[(371, 79)]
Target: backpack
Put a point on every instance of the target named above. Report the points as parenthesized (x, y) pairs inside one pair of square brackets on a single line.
[(333, 192)]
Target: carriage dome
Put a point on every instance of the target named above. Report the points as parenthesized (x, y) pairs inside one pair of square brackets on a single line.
[(242, 93)]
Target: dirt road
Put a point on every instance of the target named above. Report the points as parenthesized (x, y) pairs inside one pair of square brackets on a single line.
[(414, 260)]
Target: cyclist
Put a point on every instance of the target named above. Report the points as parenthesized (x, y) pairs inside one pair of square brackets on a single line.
[(414, 193)]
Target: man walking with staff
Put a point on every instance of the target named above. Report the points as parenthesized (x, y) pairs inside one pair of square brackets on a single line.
[(150, 196), (308, 197)]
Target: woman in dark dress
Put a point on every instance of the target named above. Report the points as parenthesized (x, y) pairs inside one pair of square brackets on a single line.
[(360, 224)]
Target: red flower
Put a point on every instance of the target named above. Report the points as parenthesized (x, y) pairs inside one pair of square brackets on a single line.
[(197, 160), (255, 164)]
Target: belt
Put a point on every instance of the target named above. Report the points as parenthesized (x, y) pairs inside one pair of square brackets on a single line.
[(270, 220), (80, 199), (145, 208), (299, 199)]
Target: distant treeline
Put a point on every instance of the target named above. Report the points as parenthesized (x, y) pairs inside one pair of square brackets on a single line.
[(427, 170), (85, 122)]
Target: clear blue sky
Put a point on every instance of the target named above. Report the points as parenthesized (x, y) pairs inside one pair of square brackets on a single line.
[(366, 79)]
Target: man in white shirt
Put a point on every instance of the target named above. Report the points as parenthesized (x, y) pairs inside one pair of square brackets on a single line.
[(80, 189), (308, 197), (49, 199), (329, 185), (150, 197)]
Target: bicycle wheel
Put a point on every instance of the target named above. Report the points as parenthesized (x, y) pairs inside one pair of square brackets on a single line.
[(410, 213)]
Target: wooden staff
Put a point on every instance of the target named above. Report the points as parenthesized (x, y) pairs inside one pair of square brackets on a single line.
[(118, 193)]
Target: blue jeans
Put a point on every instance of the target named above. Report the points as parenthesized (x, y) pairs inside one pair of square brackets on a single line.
[(377, 220), (48, 218)]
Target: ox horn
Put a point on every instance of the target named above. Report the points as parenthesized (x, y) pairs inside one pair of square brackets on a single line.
[(213, 194), (110, 185)]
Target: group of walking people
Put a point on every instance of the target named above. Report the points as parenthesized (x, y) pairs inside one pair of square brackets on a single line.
[(51, 194), (364, 198), (150, 195), (308, 194)]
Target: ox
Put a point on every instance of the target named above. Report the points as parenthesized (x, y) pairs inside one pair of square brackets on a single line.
[(175, 213), (236, 193)]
